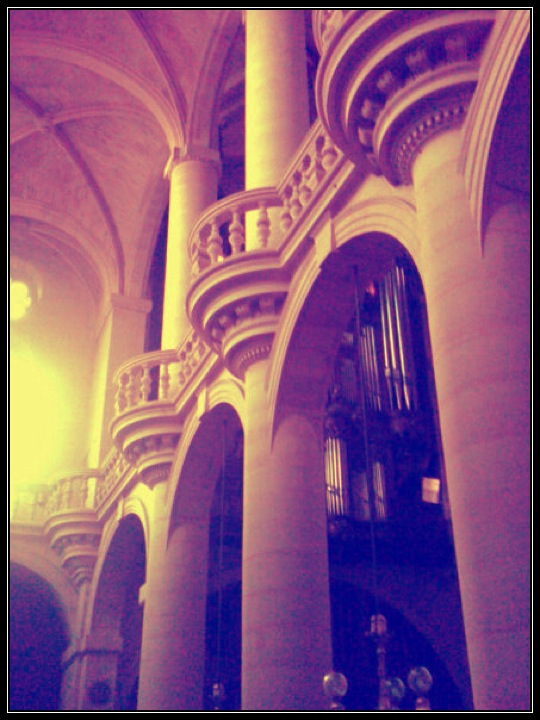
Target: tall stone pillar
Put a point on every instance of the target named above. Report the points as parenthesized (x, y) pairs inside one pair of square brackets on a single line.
[(286, 635), (286, 638), (277, 108), (173, 637), (478, 307), (397, 100), (193, 186)]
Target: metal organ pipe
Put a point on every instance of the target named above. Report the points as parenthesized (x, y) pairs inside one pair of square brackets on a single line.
[(407, 337), (336, 477), (397, 349), (385, 337)]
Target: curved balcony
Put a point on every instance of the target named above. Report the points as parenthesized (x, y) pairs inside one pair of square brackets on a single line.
[(219, 234), (237, 294), (388, 80), (151, 389), (71, 523)]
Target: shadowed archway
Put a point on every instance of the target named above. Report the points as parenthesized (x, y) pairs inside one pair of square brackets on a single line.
[(38, 636)]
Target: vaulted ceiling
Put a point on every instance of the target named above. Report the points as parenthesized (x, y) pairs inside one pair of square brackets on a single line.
[(98, 101)]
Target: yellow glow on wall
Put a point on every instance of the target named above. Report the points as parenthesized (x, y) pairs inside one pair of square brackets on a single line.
[(37, 413), (19, 299)]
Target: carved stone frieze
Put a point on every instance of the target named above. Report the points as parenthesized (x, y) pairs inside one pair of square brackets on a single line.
[(75, 537), (382, 95), (236, 308), (152, 456)]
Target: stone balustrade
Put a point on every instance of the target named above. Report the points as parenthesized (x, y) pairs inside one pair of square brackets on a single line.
[(27, 507), (76, 492), (157, 376), (220, 231), (306, 174), (72, 493), (115, 468)]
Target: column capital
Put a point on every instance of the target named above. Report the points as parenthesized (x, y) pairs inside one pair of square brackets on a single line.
[(126, 302), (192, 153)]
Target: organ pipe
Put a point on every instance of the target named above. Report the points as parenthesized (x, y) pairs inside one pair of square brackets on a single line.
[(336, 477), (397, 350)]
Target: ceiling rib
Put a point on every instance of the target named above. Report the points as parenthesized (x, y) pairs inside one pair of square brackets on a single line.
[(59, 133)]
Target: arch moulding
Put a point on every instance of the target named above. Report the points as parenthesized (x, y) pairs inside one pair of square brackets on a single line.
[(391, 216), (508, 37), (132, 506), (225, 390)]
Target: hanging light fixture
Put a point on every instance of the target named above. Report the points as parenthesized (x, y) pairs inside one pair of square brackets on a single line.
[(335, 688)]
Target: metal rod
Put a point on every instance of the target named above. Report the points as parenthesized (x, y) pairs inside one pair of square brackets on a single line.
[(367, 453), (221, 555)]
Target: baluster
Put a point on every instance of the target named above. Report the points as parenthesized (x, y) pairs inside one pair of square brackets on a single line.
[(182, 375), (318, 169), (296, 206), (132, 389), (236, 233), (64, 495), (81, 485), (215, 243), (286, 217), (329, 154), (304, 190), (164, 381), (199, 258), (145, 383), (89, 492), (120, 400), (263, 225)]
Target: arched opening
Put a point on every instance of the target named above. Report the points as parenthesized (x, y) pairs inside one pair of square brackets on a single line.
[(383, 451), (359, 358), (38, 636), (205, 555), (224, 599), (113, 670)]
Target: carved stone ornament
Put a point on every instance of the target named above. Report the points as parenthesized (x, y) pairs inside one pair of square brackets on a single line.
[(383, 95)]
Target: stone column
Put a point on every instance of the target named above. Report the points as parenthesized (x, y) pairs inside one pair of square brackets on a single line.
[(277, 108), (73, 690), (99, 654), (121, 337), (286, 635), (173, 637), (193, 186), (286, 638), (478, 308)]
